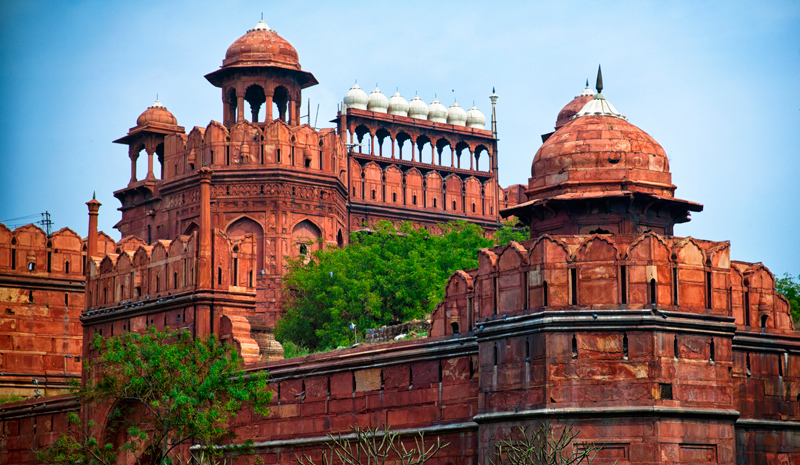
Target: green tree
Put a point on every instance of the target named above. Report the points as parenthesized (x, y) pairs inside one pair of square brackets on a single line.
[(545, 446), (790, 288), (384, 277), (165, 390)]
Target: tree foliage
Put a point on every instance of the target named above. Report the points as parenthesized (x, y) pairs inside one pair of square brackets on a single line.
[(790, 288), (163, 390), (545, 446), (385, 277), (371, 446)]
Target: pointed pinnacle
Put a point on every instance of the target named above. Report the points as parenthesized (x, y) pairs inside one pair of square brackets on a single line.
[(587, 83), (94, 195), (599, 84)]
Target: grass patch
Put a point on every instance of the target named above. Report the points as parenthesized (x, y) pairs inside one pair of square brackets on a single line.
[(292, 350), (4, 399)]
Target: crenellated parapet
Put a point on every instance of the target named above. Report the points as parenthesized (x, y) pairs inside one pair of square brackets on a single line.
[(608, 272)]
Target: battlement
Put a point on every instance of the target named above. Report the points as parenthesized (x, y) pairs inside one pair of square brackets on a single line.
[(611, 272)]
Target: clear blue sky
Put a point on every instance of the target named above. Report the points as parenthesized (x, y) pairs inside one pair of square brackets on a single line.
[(716, 83)]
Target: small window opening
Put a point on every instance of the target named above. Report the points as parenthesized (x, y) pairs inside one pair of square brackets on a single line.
[(471, 368), (675, 347), (653, 298), (455, 327), (473, 207), (675, 286), (31, 266), (303, 249), (219, 275), (158, 283), (13, 259), (665, 391), (66, 267), (441, 372), (329, 386), (373, 194), (394, 196), (491, 210), (66, 299), (250, 278), (574, 347), (712, 350), (49, 262), (410, 376), (527, 351), (414, 200), (279, 155), (121, 291), (625, 345), (573, 274), (454, 205), (747, 365), (354, 381), (495, 354), (175, 280), (434, 203), (308, 163), (764, 320), (780, 365), (320, 160), (544, 293), (227, 155), (138, 291), (623, 284), (292, 156), (293, 191), (354, 191), (236, 271), (708, 289)]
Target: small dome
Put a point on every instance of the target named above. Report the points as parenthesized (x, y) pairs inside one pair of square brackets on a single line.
[(599, 106), (573, 107), (475, 118), (156, 113), (377, 102), (417, 108), (398, 105), (456, 115), (356, 98), (262, 46), (437, 112)]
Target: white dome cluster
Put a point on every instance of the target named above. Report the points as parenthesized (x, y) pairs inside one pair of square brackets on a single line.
[(356, 98), (399, 106)]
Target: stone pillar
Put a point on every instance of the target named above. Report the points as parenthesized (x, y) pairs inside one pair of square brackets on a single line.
[(471, 159), (372, 144), (268, 114), (254, 109), (150, 174), (134, 157), (433, 154), (414, 150), (452, 158), (239, 109), (204, 265), (297, 112), (292, 113), (393, 141), (91, 242)]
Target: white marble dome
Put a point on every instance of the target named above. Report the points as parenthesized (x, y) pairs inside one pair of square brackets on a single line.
[(377, 102), (475, 118), (417, 108), (398, 105), (356, 98), (456, 115), (437, 112)]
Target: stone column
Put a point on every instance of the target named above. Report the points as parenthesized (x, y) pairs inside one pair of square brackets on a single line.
[(471, 159), (433, 154), (371, 144), (204, 264), (292, 113), (150, 174), (134, 157), (393, 141), (268, 116), (239, 109)]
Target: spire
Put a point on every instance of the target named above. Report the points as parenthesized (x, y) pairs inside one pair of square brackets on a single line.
[(587, 83), (599, 85), (94, 195)]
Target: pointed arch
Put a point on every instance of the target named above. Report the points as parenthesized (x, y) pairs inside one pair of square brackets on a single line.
[(243, 225), (596, 248)]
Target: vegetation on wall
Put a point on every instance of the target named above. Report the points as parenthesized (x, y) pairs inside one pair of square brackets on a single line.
[(790, 288), (385, 277), (163, 391), (545, 445)]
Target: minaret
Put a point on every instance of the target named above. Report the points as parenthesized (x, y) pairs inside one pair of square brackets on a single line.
[(494, 98), (494, 168), (94, 207)]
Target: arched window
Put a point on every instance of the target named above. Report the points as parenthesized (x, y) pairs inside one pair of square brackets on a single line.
[(454, 326), (66, 300), (303, 249), (764, 320), (175, 280), (66, 267)]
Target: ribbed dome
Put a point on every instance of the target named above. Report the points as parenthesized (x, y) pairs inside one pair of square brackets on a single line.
[(398, 105), (417, 108), (262, 46), (573, 107), (456, 115), (156, 113), (475, 118), (377, 102), (599, 153), (437, 112), (356, 98)]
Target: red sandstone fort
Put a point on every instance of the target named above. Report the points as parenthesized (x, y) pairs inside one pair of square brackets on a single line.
[(662, 349)]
